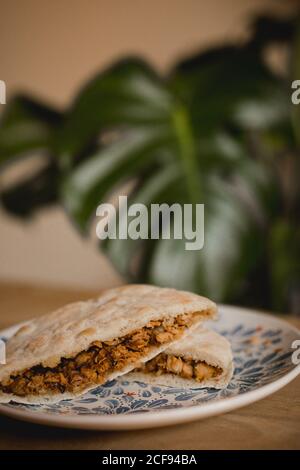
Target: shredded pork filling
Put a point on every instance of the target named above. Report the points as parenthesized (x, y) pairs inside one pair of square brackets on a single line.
[(183, 367), (92, 366)]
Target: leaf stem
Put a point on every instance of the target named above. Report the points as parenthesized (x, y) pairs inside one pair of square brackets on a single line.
[(187, 152)]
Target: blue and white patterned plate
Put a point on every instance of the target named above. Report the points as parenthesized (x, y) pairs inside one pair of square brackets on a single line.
[(262, 348)]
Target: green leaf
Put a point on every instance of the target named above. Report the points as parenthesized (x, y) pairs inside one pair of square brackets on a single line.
[(220, 151), (284, 257), (129, 93), (156, 186), (85, 187), (232, 246), (26, 125), (230, 85), (234, 236), (187, 152), (171, 265)]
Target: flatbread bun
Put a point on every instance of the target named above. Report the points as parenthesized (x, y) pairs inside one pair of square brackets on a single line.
[(72, 328), (202, 345)]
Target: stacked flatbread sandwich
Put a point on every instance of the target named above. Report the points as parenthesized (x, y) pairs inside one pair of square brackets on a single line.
[(154, 333)]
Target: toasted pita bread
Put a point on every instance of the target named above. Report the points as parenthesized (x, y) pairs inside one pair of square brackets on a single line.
[(201, 346), (56, 343)]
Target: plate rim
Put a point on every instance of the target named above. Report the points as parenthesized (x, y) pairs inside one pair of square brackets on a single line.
[(141, 420)]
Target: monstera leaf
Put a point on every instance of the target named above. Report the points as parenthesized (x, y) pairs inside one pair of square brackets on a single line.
[(218, 130), (285, 265), (28, 127), (129, 93), (230, 86), (94, 179), (174, 166), (25, 126)]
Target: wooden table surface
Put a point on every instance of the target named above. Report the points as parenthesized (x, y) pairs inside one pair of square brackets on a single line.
[(272, 423)]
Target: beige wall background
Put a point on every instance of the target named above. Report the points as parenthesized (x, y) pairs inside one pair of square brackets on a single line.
[(50, 48)]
